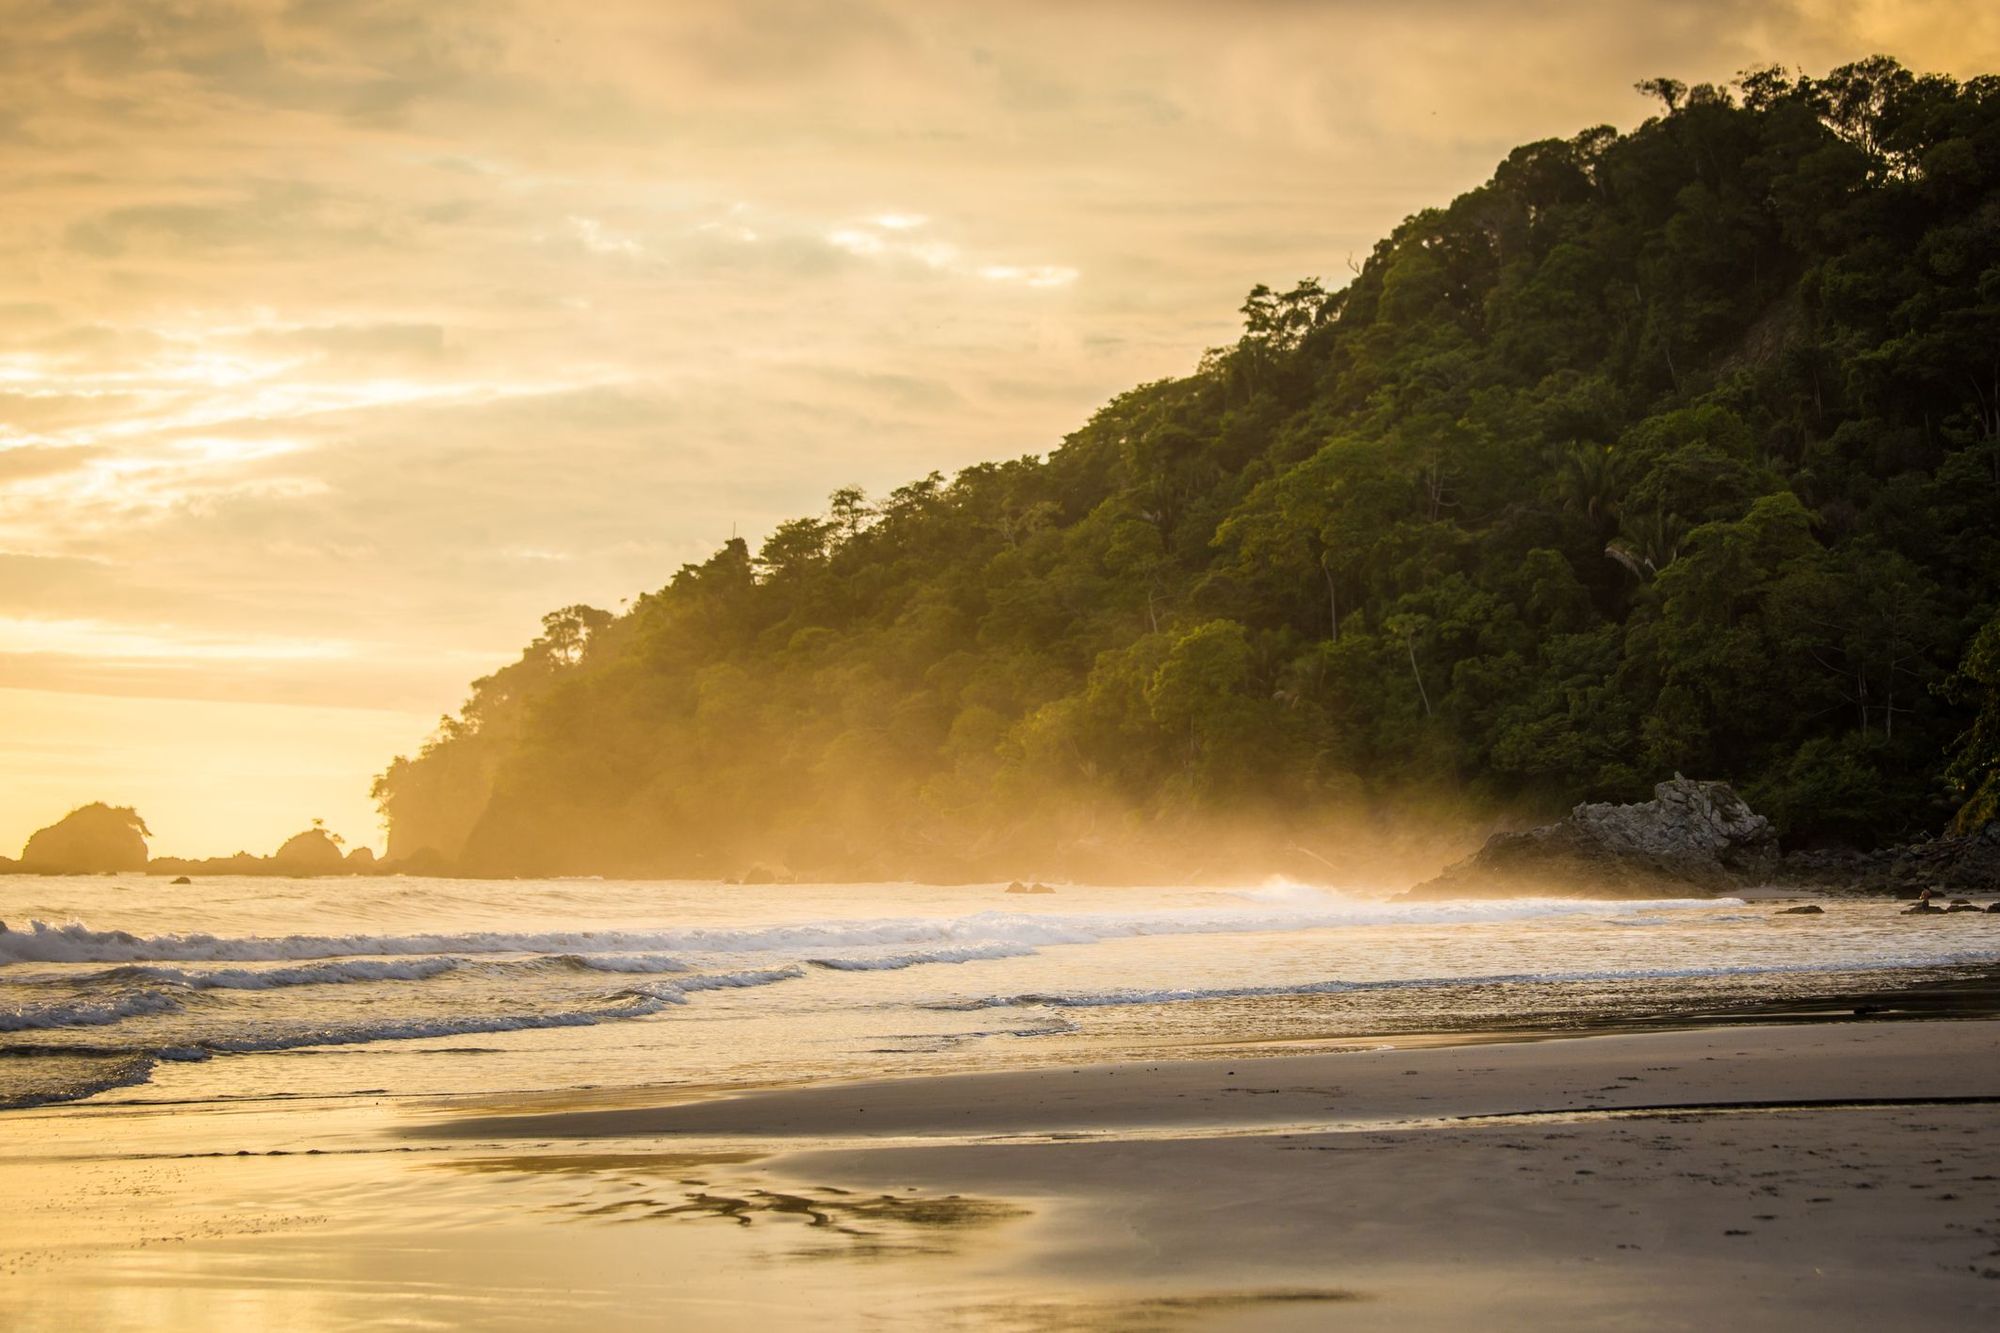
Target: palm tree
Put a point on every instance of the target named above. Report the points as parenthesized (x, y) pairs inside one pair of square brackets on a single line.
[(1584, 479), (1648, 544)]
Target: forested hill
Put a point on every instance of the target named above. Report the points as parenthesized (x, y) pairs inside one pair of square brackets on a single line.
[(1669, 450)]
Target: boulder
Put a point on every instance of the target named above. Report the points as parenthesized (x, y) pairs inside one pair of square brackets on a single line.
[(1691, 837), (180, 879), (1810, 909)]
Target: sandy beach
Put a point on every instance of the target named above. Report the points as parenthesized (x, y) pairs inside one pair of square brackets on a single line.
[(1844, 1173)]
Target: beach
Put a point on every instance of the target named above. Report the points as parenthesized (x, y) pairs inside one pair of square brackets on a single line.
[(1841, 1172), (344, 1104)]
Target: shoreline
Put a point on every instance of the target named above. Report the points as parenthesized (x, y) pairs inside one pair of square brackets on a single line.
[(1744, 1175), (1843, 1173)]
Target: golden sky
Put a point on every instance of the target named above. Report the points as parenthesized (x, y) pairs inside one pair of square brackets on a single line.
[(338, 341)]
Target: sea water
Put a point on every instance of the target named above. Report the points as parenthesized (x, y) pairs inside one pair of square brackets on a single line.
[(129, 989)]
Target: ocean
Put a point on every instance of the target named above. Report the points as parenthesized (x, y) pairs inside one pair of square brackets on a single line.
[(127, 989)]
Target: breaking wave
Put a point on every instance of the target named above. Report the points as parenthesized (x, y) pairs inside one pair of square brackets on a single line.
[(78, 943), (971, 953)]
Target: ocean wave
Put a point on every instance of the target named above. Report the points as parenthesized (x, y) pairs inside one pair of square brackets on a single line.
[(122, 1073), (274, 978), (633, 1002), (87, 1013), (970, 953), (732, 980), (79, 943), (1183, 995), (417, 1029), (641, 964)]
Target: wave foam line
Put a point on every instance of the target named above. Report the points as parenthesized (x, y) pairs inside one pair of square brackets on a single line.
[(274, 978), (971, 953), (78, 943), (1105, 999)]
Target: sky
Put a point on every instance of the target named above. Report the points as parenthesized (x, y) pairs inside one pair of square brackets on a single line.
[(341, 341)]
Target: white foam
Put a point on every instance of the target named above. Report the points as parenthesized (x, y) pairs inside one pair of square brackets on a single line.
[(78, 943), (734, 980), (970, 953)]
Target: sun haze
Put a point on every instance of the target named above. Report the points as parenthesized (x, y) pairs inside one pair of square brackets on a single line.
[(339, 344)]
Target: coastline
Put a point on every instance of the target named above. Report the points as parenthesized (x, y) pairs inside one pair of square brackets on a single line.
[(1747, 1176), (1753, 1176)]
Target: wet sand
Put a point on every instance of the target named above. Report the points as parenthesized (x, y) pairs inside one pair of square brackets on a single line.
[(1837, 1174)]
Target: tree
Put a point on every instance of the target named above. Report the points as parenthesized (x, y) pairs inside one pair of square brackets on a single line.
[(1676, 448), (1974, 773)]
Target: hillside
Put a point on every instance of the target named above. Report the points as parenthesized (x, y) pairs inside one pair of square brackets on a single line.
[(1669, 450)]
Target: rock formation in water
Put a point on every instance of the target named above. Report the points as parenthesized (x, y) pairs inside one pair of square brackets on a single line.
[(314, 852), (89, 840), (1691, 837)]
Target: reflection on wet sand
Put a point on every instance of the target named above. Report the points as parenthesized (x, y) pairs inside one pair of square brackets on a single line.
[(627, 1187), (1141, 1314)]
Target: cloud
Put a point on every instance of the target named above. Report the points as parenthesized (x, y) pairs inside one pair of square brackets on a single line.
[(40, 460)]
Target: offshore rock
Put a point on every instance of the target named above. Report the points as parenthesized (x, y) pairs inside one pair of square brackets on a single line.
[(314, 852), (1691, 837), (95, 839)]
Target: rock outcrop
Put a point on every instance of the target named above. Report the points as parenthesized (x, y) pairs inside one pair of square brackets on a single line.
[(1965, 863), (1692, 837), (90, 840), (313, 852)]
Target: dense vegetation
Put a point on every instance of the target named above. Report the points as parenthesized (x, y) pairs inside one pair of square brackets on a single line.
[(1677, 449)]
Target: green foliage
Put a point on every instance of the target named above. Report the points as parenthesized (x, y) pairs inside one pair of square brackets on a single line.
[(1975, 770), (1672, 449)]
